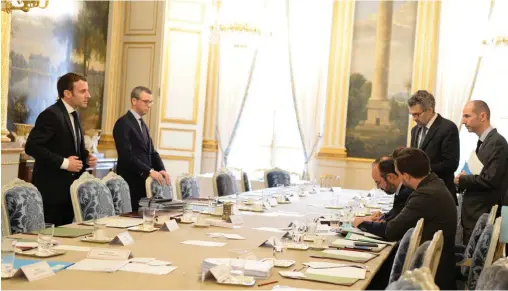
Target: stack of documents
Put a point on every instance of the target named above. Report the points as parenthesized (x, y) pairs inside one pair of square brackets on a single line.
[(174, 204), (253, 268)]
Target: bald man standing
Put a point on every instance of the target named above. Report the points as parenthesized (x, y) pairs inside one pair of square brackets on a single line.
[(488, 188)]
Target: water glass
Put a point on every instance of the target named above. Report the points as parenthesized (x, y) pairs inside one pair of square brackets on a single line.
[(99, 230), (45, 238), (148, 217), (237, 262), (187, 213), (8, 245)]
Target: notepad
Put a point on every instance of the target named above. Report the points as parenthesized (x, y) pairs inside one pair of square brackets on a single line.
[(55, 266), (69, 232), (345, 255), (358, 237), (94, 265), (203, 243), (342, 272), (147, 269)]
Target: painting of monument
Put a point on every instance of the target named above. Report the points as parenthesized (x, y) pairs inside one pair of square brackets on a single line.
[(67, 36), (380, 81)]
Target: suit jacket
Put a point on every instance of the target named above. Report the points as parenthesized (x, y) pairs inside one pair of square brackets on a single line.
[(442, 146), (49, 142), (483, 191), (135, 156), (431, 201), (399, 201)]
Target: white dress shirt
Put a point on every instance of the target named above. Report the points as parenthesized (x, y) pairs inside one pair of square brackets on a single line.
[(138, 117), (65, 163)]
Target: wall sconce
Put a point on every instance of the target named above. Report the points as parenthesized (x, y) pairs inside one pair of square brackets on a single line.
[(23, 5)]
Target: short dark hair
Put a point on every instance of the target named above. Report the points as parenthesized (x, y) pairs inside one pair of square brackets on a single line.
[(385, 165), (136, 92), (66, 82), (412, 161), (424, 98), (481, 106)]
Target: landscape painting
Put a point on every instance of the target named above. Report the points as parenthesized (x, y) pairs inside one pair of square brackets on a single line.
[(67, 36), (380, 80)]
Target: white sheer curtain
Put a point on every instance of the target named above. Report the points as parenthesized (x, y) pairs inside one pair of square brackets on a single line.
[(310, 25), (462, 28), (492, 82)]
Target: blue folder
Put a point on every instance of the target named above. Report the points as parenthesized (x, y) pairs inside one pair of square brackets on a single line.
[(466, 169), (56, 266)]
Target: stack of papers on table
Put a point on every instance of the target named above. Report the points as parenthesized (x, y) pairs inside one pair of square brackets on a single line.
[(344, 243), (253, 268), (174, 204), (345, 255), (359, 237), (340, 275), (148, 266)]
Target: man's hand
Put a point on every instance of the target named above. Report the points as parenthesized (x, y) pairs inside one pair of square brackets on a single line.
[(157, 177), (92, 160), (166, 176), (75, 164), (456, 180), (376, 215), (358, 220)]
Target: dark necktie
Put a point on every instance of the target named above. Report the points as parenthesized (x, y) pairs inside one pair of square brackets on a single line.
[(478, 145), (422, 138), (144, 130), (77, 133)]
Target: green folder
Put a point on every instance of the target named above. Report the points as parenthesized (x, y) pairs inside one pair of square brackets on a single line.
[(330, 279), (69, 232)]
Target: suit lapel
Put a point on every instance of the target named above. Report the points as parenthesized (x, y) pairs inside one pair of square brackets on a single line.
[(482, 152), (137, 128), (432, 131), (414, 136)]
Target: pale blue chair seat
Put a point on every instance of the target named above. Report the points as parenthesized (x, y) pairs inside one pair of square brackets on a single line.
[(91, 198), (494, 277), (119, 191), (22, 208), (276, 177), (471, 245), (157, 191), (224, 183), (187, 187)]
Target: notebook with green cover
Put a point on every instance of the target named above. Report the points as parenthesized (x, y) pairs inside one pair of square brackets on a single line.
[(69, 232), (346, 255)]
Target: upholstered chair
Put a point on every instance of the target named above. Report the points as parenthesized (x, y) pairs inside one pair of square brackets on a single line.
[(494, 277), (187, 187), (246, 186), (158, 191), (406, 250), (276, 177), (479, 257), (224, 183), (464, 258), (417, 279), (22, 208), (428, 254), (91, 198), (119, 191), (459, 234)]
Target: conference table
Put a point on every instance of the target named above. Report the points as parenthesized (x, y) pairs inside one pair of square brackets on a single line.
[(167, 246)]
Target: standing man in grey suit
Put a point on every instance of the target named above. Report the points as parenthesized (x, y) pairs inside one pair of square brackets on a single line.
[(488, 188), (137, 157), (438, 137)]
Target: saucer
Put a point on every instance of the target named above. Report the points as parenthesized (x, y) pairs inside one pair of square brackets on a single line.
[(98, 241), (201, 225), (140, 228), (186, 221)]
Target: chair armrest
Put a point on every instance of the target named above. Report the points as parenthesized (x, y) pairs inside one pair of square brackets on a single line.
[(465, 263)]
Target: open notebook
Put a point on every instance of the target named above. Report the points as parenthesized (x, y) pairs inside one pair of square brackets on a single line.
[(340, 276), (345, 255)]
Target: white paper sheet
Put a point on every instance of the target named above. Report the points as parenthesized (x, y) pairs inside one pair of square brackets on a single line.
[(118, 222), (147, 269), (203, 243), (141, 260), (159, 263), (98, 265), (225, 235), (343, 272), (474, 164), (72, 248)]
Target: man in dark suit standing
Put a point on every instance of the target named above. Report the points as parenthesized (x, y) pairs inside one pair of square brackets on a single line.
[(137, 157), (438, 137), (488, 188), (431, 201), (56, 142)]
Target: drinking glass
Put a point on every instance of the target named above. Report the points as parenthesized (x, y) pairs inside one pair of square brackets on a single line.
[(148, 217), (8, 245), (187, 213), (237, 262), (45, 238), (99, 230)]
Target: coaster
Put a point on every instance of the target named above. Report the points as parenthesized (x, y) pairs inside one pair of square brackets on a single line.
[(140, 228), (34, 253), (283, 263), (97, 241)]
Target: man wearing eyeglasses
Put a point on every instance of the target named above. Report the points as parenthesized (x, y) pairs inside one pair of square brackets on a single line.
[(438, 137), (137, 157)]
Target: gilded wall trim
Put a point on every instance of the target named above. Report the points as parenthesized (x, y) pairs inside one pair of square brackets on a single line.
[(210, 146), (6, 40)]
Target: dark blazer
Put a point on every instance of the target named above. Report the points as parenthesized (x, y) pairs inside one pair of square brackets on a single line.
[(49, 142), (135, 157), (431, 201), (399, 201), (483, 191), (442, 146)]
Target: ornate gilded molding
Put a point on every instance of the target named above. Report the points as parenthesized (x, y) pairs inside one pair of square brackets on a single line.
[(6, 40), (107, 142), (210, 146), (338, 81)]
